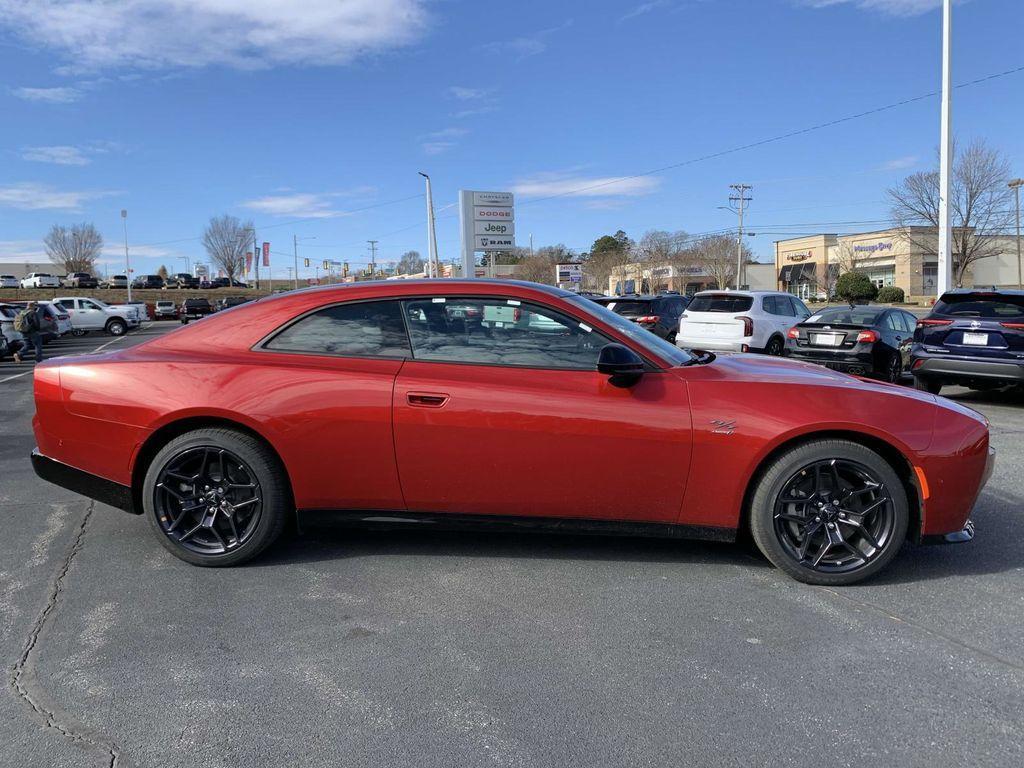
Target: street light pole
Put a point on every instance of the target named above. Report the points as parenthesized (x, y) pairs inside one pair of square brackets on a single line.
[(433, 269), (127, 266), (188, 264), (741, 199), (946, 154), (1015, 185)]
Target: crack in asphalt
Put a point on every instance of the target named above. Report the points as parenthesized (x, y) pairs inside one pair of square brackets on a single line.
[(22, 674)]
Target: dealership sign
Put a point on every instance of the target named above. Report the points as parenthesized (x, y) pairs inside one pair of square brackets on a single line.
[(569, 273), (488, 224)]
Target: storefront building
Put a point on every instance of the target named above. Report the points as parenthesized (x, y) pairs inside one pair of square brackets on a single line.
[(904, 257)]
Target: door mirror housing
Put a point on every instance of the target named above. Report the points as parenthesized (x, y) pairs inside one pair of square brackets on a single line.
[(622, 365)]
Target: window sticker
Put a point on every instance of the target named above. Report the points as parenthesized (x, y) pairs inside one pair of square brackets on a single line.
[(439, 301), (586, 327), (514, 303)]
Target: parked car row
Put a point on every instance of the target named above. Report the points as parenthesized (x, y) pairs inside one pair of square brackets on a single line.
[(86, 280)]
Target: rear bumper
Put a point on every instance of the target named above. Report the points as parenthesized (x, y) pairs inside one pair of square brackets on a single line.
[(859, 363), (713, 345), (954, 368), (85, 483)]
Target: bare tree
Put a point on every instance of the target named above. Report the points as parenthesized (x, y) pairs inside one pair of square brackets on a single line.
[(227, 240), (411, 263), (716, 256), (74, 248), (541, 266), (162, 272), (980, 206)]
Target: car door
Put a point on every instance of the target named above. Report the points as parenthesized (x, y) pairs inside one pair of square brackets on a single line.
[(93, 316), (501, 411)]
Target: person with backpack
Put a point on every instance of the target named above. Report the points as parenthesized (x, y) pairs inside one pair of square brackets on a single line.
[(29, 322)]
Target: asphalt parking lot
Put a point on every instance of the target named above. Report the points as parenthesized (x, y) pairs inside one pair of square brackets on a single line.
[(443, 649)]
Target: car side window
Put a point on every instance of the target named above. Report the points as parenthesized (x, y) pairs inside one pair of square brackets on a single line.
[(909, 322), (86, 304), (800, 309), (359, 329), (894, 321), (499, 332)]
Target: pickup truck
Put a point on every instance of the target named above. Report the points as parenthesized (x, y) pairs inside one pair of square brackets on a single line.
[(194, 309), (95, 315)]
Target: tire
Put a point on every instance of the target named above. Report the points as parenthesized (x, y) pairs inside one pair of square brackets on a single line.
[(780, 528), (893, 371), (932, 386), (78, 332), (117, 327), (215, 545), (671, 338), (774, 346)]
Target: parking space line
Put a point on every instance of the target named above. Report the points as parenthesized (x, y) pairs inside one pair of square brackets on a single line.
[(17, 375)]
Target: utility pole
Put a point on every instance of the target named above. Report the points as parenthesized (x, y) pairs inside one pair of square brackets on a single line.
[(946, 153), (740, 199), (373, 257), (433, 266), (127, 266), (295, 272), (1015, 185)]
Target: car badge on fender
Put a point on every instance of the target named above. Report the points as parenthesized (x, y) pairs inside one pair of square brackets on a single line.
[(723, 427)]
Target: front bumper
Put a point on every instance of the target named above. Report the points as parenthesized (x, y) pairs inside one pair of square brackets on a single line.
[(957, 537), (85, 483)]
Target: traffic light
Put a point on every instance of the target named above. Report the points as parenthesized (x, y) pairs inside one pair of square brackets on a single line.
[(307, 262), (327, 264)]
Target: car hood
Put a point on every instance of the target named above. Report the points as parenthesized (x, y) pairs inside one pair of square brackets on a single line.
[(753, 367)]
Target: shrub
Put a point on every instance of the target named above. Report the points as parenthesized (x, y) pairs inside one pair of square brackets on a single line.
[(855, 286), (891, 294)]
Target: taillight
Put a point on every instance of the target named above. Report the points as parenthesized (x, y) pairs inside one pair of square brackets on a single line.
[(917, 364), (928, 321), (748, 325), (867, 337), (648, 319), (1013, 326), (793, 333)]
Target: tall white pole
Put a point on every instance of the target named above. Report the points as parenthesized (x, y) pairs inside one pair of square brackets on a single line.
[(945, 272), (295, 249), (127, 266), (433, 266)]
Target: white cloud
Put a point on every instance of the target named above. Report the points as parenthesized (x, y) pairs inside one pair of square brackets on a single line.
[(892, 7), (527, 45), (32, 196), (462, 93), (900, 163), (302, 205), (548, 184), (58, 155), (46, 95), (21, 252), (441, 141), (97, 34), (643, 8)]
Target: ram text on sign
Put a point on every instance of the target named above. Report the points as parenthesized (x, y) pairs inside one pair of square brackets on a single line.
[(488, 243), (496, 228)]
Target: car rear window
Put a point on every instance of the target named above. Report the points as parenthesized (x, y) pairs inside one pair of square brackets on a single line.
[(720, 302), (979, 305), (630, 308), (846, 316)]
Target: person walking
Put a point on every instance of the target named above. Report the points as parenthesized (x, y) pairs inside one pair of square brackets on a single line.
[(29, 323)]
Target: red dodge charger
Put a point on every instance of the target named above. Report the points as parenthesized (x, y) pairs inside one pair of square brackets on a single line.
[(500, 403)]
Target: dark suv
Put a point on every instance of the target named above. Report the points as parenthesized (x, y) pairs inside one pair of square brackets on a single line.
[(658, 314), (974, 338), (182, 280)]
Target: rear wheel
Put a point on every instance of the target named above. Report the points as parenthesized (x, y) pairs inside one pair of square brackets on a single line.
[(774, 346), (215, 497), (932, 386), (829, 512)]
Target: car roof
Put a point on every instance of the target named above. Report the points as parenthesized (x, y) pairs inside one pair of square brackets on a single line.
[(734, 292), (984, 291)]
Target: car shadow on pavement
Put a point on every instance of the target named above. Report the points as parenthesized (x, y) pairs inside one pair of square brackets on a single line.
[(323, 542), (1009, 396)]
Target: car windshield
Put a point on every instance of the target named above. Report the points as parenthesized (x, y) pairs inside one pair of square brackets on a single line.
[(991, 305), (720, 302), (654, 344), (846, 316)]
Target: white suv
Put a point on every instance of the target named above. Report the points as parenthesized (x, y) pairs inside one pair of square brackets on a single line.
[(740, 321), (39, 280), (94, 315)]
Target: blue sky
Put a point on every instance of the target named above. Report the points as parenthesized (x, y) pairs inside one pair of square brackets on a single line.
[(298, 118)]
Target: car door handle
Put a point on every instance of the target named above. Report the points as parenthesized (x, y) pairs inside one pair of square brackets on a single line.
[(426, 399)]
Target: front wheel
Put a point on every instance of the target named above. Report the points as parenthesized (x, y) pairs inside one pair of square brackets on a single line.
[(117, 327), (894, 368), (215, 497), (829, 512)]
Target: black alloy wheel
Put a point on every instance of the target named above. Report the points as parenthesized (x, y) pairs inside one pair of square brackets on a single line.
[(830, 512), (774, 346), (215, 497), (894, 368)]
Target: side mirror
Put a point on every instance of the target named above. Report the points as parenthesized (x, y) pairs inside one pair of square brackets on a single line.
[(623, 366)]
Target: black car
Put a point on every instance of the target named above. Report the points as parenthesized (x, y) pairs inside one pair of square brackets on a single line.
[(862, 340), (658, 314), (148, 281), (193, 309), (231, 301), (974, 338), (223, 282)]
